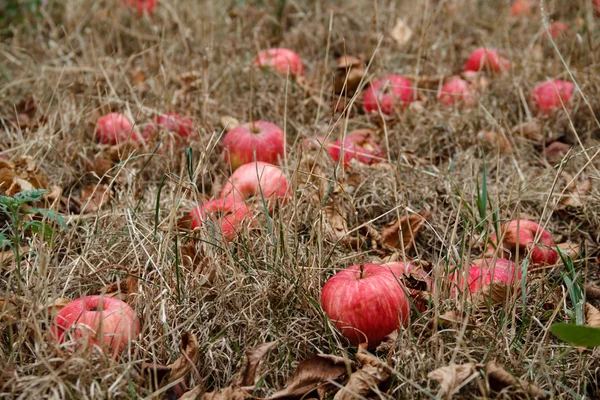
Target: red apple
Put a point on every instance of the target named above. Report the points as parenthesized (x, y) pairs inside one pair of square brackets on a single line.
[(557, 29), (115, 128), (390, 93), (174, 123), (522, 8), (258, 179), (484, 272), (550, 96), (487, 59), (522, 234), (142, 6), (456, 90), (280, 60), (264, 138), (596, 4), (366, 302), (359, 145), (227, 213), (99, 320)]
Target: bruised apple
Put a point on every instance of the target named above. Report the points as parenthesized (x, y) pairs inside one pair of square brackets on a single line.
[(142, 6), (390, 93), (226, 213), (548, 97), (115, 128), (456, 91), (260, 138), (176, 124), (484, 272), (359, 145), (280, 60), (528, 238), (97, 320), (487, 59), (257, 179), (366, 302)]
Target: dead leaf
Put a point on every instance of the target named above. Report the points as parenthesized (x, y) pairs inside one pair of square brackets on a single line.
[(194, 394), (492, 141), (195, 260), (592, 316), (555, 151), (57, 305), (101, 165), (451, 377), (576, 196), (401, 32), (311, 372), (570, 249), (348, 75), (94, 197), (388, 343), (366, 380), (532, 130), (592, 292), (229, 393), (402, 233), (335, 226), (491, 295), (228, 123), (123, 150), (179, 368), (22, 174), (499, 379), (254, 360)]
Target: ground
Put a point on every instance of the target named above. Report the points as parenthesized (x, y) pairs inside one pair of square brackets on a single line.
[(65, 64)]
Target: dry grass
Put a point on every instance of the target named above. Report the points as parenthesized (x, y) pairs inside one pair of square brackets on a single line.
[(80, 59)]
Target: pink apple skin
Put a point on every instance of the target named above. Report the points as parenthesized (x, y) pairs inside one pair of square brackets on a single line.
[(280, 60), (596, 4), (456, 91), (100, 320), (359, 145), (365, 305), (265, 138), (487, 59), (171, 122), (557, 29), (115, 128), (392, 92), (227, 212), (548, 97), (257, 179), (142, 6), (541, 252), (483, 272)]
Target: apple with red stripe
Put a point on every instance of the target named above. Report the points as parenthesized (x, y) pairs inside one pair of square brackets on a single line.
[(359, 145), (226, 213), (389, 94), (280, 60), (115, 128), (257, 180), (529, 239), (253, 141)]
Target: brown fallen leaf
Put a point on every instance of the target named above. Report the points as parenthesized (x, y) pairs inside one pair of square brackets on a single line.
[(499, 379), (570, 249), (55, 306), (348, 75), (367, 379), (401, 32), (532, 130), (94, 197), (388, 343), (229, 393), (20, 175), (576, 196), (228, 123), (493, 140), (452, 376), (195, 260), (556, 151), (311, 372), (491, 295), (592, 292), (592, 316), (401, 234), (335, 226), (254, 360), (179, 368), (197, 393)]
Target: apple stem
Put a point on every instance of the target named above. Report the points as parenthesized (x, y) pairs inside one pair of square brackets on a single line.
[(362, 270)]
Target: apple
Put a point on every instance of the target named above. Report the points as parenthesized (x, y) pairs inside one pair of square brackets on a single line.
[(280, 60), (522, 8), (557, 29), (522, 234), (227, 213), (412, 273), (142, 6), (115, 128), (456, 90), (366, 302), (359, 145), (548, 97), (483, 272), (264, 138), (390, 93), (97, 320), (180, 126), (487, 59), (596, 4), (258, 179)]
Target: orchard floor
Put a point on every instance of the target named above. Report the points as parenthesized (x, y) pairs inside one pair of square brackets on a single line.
[(65, 65)]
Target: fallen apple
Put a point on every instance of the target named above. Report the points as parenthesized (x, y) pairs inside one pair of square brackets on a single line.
[(176, 124), (280, 60), (528, 238), (596, 4), (456, 91), (259, 139), (548, 97), (366, 302), (97, 320), (483, 272), (142, 6), (226, 213), (390, 93), (258, 179), (115, 128), (557, 29), (359, 145), (522, 8), (487, 59)]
